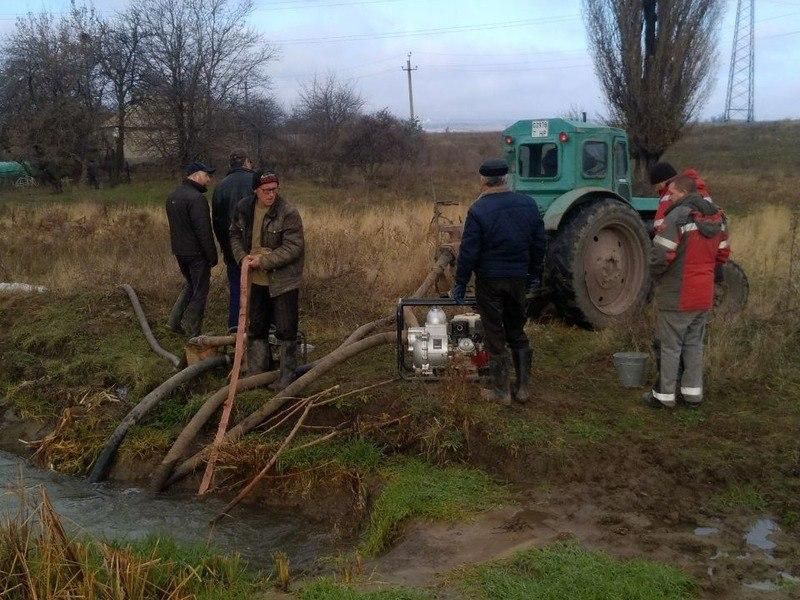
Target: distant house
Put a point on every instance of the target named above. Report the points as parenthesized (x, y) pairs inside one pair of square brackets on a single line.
[(138, 149)]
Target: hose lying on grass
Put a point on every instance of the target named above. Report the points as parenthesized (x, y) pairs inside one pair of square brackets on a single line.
[(137, 308), (103, 462), (275, 403), (161, 475)]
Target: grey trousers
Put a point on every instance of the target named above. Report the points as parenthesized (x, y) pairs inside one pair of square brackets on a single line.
[(680, 335)]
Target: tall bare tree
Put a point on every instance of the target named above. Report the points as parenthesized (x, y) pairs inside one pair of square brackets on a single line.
[(654, 59), (325, 107), (199, 56), (51, 91), (121, 64)]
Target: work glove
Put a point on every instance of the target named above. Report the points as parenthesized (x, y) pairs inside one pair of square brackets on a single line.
[(458, 292)]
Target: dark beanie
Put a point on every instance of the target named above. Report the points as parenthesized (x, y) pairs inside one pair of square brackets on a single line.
[(661, 172)]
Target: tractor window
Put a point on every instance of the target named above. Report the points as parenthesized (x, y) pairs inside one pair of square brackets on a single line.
[(595, 159), (538, 160)]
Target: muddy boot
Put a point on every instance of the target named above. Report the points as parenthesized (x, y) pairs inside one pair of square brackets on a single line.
[(499, 389), (522, 358), (192, 323), (288, 366), (258, 356), (175, 316)]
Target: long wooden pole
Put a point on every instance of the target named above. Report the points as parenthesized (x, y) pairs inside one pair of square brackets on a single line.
[(241, 342)]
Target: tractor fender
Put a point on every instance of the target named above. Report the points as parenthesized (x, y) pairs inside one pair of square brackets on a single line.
[(564, 203)]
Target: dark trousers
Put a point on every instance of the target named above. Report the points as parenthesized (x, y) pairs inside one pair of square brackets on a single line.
[(197, 273), (234, 284), (501, 304), (281, 311)]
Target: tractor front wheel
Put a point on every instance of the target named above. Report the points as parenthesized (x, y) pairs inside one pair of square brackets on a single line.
[(597, 264)]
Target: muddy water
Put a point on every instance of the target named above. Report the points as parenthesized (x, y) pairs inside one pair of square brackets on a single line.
[(112, 512)]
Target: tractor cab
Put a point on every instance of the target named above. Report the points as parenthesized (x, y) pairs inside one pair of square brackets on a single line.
[(559, 159)]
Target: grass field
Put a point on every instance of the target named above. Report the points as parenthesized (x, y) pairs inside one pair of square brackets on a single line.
[(582, 439)]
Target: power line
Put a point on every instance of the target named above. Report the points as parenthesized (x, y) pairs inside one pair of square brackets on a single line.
[(423, 32)]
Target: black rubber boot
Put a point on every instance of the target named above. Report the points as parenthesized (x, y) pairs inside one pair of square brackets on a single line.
[(499, 389), (192, 323), (258, 356), (288, 366), (175, 316), (522, 358)]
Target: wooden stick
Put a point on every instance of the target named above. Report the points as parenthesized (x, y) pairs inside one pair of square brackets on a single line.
[(253, 482), (241, 340)]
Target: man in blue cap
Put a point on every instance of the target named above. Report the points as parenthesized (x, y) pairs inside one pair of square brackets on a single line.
[(193, 246), (504, 245)]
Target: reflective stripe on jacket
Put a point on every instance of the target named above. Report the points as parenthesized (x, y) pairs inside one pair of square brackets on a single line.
[(693, 240)]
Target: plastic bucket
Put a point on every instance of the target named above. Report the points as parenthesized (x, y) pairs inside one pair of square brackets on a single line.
[(631, 368)]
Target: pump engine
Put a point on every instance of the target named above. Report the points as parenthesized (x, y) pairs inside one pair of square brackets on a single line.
[(441, 343)]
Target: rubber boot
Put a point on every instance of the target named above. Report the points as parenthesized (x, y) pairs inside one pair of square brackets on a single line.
[(522, 358), (258, 356), (192, 322), (499, 389), (175, 316), (288, 366)]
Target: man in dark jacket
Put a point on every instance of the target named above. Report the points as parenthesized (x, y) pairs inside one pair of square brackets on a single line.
[(267, 232), (193, 247), (504, 245), (693, 240), (237, 185)]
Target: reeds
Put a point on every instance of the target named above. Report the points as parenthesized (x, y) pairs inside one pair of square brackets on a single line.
[(40, 560)]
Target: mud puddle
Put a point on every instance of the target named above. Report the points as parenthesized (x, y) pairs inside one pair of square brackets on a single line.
[(736, 558)]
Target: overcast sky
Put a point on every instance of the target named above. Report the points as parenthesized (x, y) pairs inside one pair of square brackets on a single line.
[(481, 64)]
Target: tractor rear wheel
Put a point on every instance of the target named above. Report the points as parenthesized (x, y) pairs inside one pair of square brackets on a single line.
[(597, 264), (730, 295)]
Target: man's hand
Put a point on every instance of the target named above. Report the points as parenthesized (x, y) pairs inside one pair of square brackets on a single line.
[(458, 292), (252, 261)]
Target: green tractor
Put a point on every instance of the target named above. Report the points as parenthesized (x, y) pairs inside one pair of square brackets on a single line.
[(596, 273)]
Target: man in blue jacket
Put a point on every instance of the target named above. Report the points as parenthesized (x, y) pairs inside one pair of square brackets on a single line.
[(504, 245), (238, 184)]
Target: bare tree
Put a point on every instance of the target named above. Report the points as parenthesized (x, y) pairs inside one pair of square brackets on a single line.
[(259, 119), (324, 108), (51, 92), (121, 64), (378, 140), (199, 57), (654, 59)]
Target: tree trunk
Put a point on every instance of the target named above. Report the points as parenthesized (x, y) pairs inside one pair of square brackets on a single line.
[(118, 164)]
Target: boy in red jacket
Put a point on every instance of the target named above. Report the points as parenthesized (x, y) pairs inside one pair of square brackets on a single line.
[(691, 242)]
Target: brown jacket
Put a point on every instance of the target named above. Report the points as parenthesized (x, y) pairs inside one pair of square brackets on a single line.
[(281, 234)]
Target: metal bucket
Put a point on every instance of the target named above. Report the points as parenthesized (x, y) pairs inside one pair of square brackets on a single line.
[(631, 368)]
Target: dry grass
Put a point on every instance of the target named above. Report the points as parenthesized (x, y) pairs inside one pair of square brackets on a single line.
[(357, 259), (40, 559)]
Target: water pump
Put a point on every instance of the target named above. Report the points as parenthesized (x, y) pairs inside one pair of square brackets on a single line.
[(442, 343)]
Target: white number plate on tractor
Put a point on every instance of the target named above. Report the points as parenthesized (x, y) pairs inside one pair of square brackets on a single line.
[(540, 129)]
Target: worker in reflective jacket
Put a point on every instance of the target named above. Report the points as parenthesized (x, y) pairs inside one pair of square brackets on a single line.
[(692, 241)]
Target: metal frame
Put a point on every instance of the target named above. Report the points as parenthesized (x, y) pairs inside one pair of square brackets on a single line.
[(403, 370)]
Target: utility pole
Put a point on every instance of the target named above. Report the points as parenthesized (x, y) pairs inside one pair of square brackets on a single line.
[(739, 101), (408, 70)]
